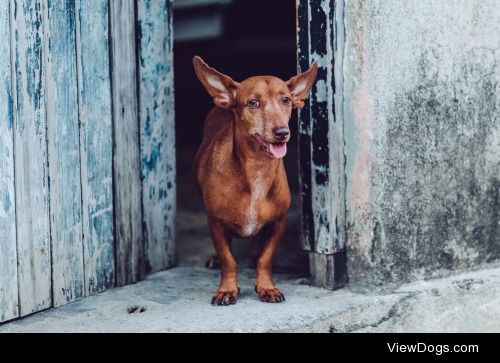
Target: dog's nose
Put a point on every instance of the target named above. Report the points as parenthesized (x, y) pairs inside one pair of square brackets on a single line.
[(281, 133)]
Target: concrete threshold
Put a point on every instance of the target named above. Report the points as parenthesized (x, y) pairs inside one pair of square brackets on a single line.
[(177, 300)]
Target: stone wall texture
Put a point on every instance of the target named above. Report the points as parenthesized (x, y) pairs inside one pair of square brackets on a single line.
[(421, 116)]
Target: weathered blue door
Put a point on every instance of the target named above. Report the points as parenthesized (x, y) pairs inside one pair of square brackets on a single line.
[(87, 161)]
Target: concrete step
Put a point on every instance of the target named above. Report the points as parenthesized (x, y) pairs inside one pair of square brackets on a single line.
[(178, 300)]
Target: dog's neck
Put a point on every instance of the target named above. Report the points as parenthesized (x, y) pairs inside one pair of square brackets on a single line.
[(252, 162)]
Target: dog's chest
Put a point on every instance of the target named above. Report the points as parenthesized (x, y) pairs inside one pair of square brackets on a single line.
[(252, 221), (246, 207)]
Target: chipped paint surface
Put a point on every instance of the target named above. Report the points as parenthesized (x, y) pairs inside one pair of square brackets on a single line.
[(157, 123), (71, 165), (422, 129), (30, 153), (8, 254), (96, 149), (320, 129), (64, 152)]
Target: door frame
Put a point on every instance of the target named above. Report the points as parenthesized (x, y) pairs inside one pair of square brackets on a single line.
[(321, 142)]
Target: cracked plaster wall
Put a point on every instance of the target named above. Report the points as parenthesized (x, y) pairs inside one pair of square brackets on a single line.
[(422, 135)]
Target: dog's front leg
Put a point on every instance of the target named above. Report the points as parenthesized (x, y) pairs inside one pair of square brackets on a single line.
[(227, 294), (264, 285)]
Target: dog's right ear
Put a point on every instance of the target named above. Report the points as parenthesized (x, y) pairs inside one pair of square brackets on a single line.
[(221, 87)]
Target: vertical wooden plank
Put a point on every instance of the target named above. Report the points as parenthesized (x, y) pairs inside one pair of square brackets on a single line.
[(156, 110), (321, 131), (328, 271), (304, 135), (337, 139), (64, 152), (30, 149), (321, 140), (94, 91), (8, 251), (126, 155), (321, 101)]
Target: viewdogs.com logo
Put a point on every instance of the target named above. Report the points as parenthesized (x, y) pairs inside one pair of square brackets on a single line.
[(437, 349)]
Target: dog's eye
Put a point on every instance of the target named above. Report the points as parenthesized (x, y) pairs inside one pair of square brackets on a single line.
[(286, 101), (253, 103)]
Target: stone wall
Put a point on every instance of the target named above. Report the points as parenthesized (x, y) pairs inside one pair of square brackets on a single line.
[(422, 138)]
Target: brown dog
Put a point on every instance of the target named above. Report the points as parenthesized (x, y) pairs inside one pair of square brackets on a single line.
[(239, 169)]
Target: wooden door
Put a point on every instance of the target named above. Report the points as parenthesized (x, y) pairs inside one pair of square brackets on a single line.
[(87, 154)]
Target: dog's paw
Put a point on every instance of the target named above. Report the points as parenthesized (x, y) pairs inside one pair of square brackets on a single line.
[(226, 296), (270, 294), (213, 263)]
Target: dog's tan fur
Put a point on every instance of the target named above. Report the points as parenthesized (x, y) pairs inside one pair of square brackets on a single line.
[(243, 184)]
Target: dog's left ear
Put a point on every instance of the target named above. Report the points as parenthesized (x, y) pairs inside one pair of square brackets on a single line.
[(301, 84)]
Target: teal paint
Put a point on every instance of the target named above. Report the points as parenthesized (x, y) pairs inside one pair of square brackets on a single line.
[(10, 108), (34, 88), (147, 125), (9, 308), (156, 113), (58, 240), (96, 145), (150, 161), (7, 203), (31, 159), (64, 153)]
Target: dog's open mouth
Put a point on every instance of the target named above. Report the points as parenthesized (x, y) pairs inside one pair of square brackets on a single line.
[(274, 149)]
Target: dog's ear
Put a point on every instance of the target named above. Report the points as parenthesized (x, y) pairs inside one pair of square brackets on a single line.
[(221, 87), (301, 84)]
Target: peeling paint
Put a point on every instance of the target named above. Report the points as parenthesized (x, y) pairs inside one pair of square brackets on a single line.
[(10, 107), (156, 112), (96, 146), (8, 255), (321, 92), (56, 143), (63, 138), (320, 137), (30, 150), (7, 203)]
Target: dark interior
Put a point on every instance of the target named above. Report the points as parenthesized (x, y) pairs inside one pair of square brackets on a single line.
[(240, 38)]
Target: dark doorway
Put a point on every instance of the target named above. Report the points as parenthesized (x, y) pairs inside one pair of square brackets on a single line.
[(240, 38)]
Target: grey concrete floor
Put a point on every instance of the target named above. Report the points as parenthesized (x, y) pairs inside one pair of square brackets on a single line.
[(177, 300)]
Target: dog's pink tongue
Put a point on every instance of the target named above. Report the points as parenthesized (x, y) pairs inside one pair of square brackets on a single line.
[(278, 150)]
